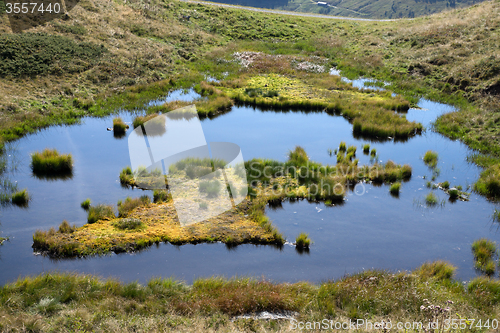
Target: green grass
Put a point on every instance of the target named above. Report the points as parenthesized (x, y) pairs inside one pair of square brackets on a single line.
[(395, 188), (373, 153), (44, 301), (366, 148), (51, 162), (160, 196), (484, 250), (129, 224), (99, 212), (445, 185), (85, 204), (21, 198), (431, 159), (119, 127), (454, 193), (65, 228), (431, 199), (298, 156), (302, 241), (129, 204), (342, 147)]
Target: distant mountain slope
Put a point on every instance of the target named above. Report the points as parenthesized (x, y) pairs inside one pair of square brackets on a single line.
[(360, 8)]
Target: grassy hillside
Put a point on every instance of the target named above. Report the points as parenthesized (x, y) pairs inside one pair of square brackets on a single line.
[(378, 9)]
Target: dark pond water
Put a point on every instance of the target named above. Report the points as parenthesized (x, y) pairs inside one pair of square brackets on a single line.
[(371, 230)]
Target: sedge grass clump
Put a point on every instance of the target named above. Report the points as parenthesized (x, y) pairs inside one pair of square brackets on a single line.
[(445, 185), (302, 241), (342, 147), (440, 270), (21, 198), (395, 188), (129, 224), (85, 204), (125, 207), (127, 176), (100, 212), (373, 153), (431, 199), (65, 228), (50, 162), (431, 158), (366, 148), (351, 150), (210, 187), (160, 196), (298, 155), (119, 126), (453, 193), (484, 250)]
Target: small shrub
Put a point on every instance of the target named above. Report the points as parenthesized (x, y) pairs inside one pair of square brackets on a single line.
[(302, 241), (65, 228), (366, 148), (395, 188), (431, 199), (100, 212), (128, 224), (51, 162), (125, 207), (119, 126), (85, 204), (431, 158), (21, 198)]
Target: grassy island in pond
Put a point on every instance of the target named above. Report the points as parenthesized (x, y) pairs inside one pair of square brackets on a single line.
[(142, 223), (50, 162)]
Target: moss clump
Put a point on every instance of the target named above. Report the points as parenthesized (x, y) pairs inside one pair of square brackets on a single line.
[(50, 162), (21, 198), (99, 212), (431, 158)]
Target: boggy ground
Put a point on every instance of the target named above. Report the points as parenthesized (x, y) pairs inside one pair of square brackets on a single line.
[(270, 182), (68, 302)]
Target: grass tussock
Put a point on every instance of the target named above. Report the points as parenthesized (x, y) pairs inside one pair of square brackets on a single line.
[(65, 228), (21, 198), (119, 126), (100, 212), (85, 204), (484, 251), (129, 204), (431, 159), (431, 199), (44, 301), (51, 162), (395, 188), (160, 196), (302, 241)]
